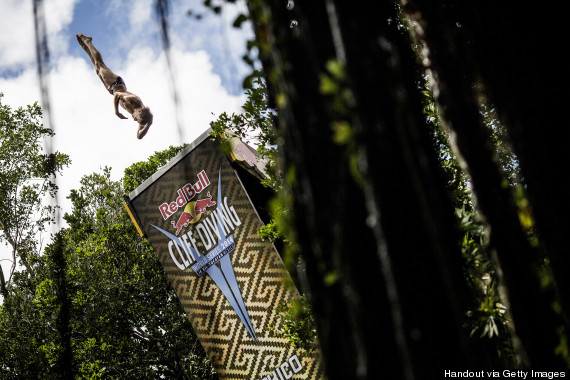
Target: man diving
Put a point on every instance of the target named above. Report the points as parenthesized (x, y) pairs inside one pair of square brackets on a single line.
[(116, 87)]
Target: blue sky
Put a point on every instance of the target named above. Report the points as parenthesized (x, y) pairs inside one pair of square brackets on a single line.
[(206, 55)]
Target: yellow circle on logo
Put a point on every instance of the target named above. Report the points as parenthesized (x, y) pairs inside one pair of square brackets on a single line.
[(191, 208)]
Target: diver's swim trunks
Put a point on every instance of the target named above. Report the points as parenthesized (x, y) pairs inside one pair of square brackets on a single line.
[(118, 81)]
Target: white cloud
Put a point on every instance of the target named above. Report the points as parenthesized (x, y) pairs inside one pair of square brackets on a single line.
[(140, 14), (17, 47), (58, 15), (17, 42)]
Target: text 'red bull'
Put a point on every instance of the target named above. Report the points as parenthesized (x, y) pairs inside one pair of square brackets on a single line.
[(185, 194)]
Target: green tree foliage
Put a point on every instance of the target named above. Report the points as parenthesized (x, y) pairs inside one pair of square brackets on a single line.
[(100, 305), (487, 319), (295, 322), (138, 172), (28, 337), (255, 126), (27, 176), (34, 321), (130, 321)]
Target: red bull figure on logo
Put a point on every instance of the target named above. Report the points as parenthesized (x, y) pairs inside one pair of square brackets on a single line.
[(183, 221), (202, 204)]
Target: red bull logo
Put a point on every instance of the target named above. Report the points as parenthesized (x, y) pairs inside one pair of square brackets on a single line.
[(192, 212), (185, 194)]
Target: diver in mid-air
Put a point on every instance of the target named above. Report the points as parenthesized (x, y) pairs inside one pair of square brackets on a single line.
[(116, 87)]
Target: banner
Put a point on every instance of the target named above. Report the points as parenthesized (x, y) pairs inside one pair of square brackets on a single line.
[(203, 226)]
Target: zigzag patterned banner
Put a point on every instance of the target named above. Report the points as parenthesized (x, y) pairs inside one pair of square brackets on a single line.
[(228, 280)]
